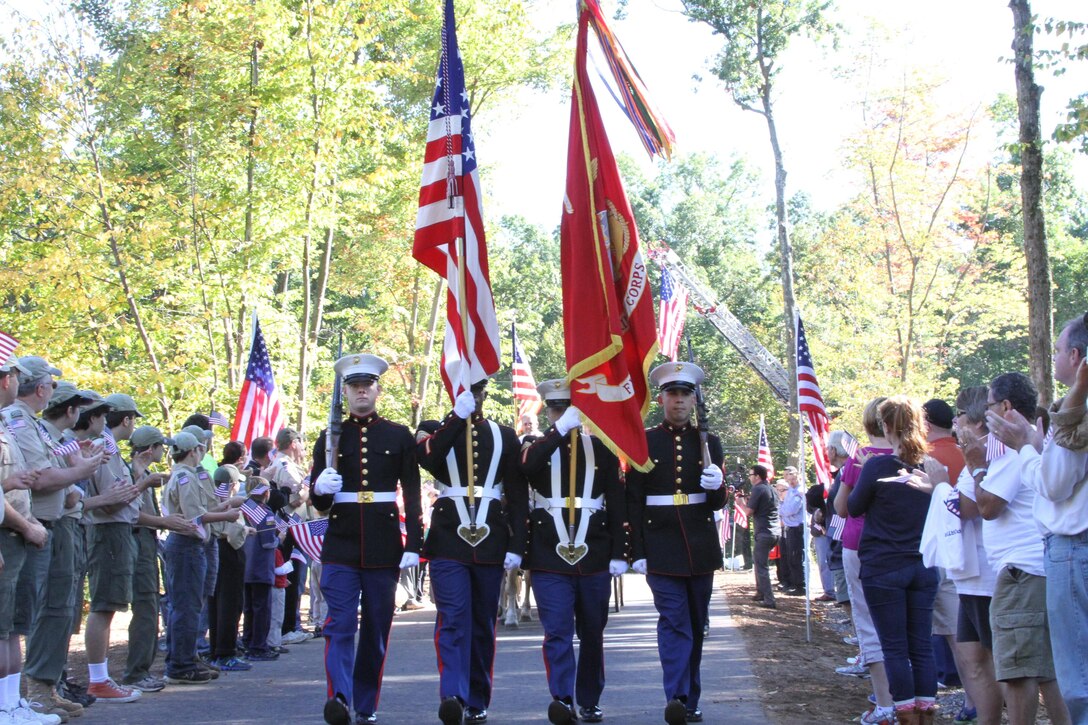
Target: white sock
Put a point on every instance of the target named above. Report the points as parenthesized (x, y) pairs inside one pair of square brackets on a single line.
[(11, 687), (7, 702), (99, 671)]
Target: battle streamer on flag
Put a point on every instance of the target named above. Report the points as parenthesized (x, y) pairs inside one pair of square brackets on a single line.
[(449, 236)]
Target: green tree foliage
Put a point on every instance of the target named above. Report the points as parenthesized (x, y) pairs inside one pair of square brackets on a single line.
[(140, 247)]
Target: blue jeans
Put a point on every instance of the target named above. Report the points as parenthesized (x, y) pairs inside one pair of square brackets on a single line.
[(901, 604), (186, 567), (1067, 610)]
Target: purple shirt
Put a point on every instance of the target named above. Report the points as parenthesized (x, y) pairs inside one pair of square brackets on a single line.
[(851, 470)]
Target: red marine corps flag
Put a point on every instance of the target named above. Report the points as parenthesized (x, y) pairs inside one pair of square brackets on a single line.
[(450, 227), (608, 314)]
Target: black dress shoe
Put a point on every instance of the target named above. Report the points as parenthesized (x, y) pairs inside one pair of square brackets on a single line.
[(694, 715), (767, 605), (757, 598), (475, 715), (451, 711), (336, 711), (796, 592), (590, 714), (676, 712), (366, 719), (560, 713)]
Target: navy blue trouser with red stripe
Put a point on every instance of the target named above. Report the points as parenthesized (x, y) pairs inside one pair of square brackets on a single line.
[(467, 598), (683, 605), (356, 672), (570, 605)]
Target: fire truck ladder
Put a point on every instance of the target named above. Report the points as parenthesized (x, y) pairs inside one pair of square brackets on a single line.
[(751, 350)]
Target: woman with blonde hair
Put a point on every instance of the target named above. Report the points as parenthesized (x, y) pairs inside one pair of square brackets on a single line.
[(899, 588)]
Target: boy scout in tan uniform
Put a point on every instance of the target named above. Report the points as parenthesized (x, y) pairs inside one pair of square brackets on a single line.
[(45, 569)]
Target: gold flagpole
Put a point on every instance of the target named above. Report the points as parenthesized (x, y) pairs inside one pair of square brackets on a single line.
[(573, 488), (462, 306)]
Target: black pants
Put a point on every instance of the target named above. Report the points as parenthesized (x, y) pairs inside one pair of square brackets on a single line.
[(258, 610), (764, 544), (291, 600), (225, 606), (793, 551)]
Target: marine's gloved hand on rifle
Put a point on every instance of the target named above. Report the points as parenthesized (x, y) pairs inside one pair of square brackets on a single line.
[(408, 560), (328, 482), (617, 567), (512, 561), (711, 480), (639, 567)]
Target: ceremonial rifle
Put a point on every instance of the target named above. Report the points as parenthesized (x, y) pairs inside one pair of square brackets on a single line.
[(701, 417), (336, 413)]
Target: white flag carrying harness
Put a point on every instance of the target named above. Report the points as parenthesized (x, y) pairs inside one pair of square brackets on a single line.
[(573, 552), (486, 493)]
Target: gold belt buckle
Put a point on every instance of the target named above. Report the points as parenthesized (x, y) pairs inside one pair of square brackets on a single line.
[(364, 497), (679, 499)]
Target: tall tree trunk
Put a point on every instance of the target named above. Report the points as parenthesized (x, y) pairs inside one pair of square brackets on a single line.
[(1040, 317), (785, 251)]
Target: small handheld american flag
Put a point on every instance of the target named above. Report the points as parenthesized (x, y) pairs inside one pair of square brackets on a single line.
[(994, 448), (310, 537), (217, 418), (254, 512)]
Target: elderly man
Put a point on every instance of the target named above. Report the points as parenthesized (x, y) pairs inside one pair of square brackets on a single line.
[(1023, 659), (792, 543), (57, 473), (1060, 479)]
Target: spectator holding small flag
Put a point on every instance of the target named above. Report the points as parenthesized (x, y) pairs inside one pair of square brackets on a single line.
[(259, 575), (225, 604)]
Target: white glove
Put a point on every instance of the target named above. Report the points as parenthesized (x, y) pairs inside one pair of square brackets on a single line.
[(567, 422), (464, 406), (329, 482), (711, 479), (284, 569), (408, 560), (512, 561), (639, 567), (617, 567)]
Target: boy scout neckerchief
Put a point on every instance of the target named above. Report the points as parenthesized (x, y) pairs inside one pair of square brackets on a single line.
[(568, 553), (488, 491)]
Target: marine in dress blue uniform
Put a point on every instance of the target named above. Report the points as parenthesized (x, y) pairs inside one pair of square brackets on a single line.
[(466, 560), (572, 574), (363, 554), (673, 537)]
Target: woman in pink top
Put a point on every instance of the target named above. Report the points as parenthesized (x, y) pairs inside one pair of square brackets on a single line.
[(872, 656)]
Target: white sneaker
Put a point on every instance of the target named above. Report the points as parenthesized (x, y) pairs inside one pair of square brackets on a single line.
[(24, 714), (295, 637)]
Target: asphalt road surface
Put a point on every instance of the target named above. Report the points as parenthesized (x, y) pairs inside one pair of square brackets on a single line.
[(291, 690)]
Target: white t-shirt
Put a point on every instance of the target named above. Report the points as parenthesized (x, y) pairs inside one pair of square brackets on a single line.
[(981, 585), (1060, 478), (1012, 539)]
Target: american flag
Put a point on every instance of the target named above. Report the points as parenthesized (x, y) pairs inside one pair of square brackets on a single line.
[(7, 346), (255, 512), (994, 448), (763, 452), (811, 403), (838, 523), (671, 315), (851, 444), (282, 523), (259, 412), (310, 536), (216, 418), (740, 517), (223, 489), (450, 222), (66, 449), (522, 380)]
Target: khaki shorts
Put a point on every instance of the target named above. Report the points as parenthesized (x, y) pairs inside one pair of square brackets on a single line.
[(946, 607), (1020, 631), (13, 549), (110, 563)]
